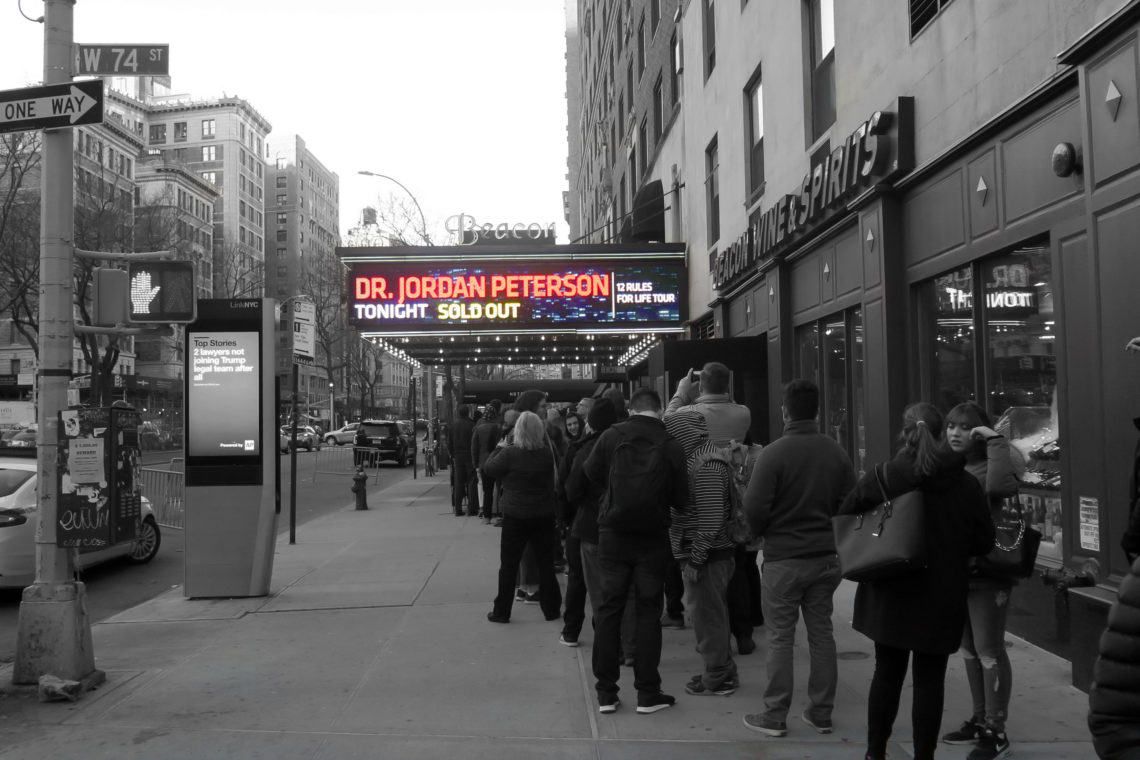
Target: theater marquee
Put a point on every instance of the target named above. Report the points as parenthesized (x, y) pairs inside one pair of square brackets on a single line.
[(409, 295)]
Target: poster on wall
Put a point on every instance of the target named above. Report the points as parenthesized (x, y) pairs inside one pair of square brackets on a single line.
[(84, 509), (1090, 523)]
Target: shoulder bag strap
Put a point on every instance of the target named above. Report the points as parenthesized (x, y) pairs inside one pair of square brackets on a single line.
[(880, 476)]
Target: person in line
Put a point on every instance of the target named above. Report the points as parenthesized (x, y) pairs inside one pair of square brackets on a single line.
[(998, 469), (579, 500), (506, 433), (483, 442), (920, 616), (700, 543), (634, 554), (574, 427), (463, 484), (525, 467), (707, 393), (535, 401), (585, 404), (797, 484)]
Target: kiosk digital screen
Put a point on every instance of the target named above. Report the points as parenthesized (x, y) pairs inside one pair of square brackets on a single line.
[(223, 394), (495, 296)]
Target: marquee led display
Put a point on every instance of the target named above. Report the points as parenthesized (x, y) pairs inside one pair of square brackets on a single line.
[(498, 296)]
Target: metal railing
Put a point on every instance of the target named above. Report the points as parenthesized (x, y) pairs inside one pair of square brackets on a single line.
[(343, 460), (164, 489)]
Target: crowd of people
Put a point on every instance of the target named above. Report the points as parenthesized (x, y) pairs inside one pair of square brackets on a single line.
[(636, 501)]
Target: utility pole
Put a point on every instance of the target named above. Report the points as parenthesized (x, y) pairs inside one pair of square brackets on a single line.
[(54, 632)]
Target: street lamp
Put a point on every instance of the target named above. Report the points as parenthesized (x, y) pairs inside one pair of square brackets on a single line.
[(332, 411), (423, 219)]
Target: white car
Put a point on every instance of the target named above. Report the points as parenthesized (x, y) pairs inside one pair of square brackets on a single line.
[(343, 435), (18, 513)]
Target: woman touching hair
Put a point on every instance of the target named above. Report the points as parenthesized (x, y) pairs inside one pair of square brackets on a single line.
[(919, 617)]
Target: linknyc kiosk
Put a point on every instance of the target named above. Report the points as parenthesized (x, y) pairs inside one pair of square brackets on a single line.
[(231, 446)]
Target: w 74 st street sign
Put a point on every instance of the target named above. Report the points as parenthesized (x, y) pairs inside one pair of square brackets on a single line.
[(52, 106)]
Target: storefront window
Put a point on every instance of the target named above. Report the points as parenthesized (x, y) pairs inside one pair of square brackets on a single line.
[(1018, 364), (834, 388), (830, 353), (807, 352), (859, 455)]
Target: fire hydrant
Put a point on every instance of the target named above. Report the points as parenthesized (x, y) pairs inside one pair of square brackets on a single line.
[(359, 487)]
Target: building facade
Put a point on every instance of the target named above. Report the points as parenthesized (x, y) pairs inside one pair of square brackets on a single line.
[(919, 201)]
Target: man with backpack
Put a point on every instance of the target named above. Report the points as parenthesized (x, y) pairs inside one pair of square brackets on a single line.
[(707, 393), (797, 485), (642, 471), (700, 541)]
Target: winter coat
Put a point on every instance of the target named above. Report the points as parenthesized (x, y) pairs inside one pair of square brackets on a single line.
[(527, 480), (726, 420), (483, 441), (582, 495), (460, 439), (1114, 699), (926, 610), (1131, 539)]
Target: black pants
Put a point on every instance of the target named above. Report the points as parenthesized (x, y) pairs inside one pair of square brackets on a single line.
[(639, 561), (463, 484), (674, 590), (575, 615), (744, 611), (488, 493), (883, 701), (517, 533)]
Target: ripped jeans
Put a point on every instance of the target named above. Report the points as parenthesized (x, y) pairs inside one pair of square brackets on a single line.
[(987, 662)]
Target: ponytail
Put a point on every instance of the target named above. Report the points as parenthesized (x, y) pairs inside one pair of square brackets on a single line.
[(922, 436)]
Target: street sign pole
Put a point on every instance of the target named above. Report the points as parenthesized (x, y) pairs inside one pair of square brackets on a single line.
[(54, 632)]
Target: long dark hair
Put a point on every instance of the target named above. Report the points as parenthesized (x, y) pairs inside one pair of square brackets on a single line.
[(971, 415), (921, 436)]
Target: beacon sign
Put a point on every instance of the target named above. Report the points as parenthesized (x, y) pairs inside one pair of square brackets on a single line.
[(505, 295)]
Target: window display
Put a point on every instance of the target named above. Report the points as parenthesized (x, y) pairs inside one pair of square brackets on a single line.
[(830, 353)]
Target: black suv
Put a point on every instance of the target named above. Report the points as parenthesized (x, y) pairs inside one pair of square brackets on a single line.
[(393, 438)]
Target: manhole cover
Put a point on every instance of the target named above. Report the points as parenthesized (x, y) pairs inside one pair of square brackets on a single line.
[(853, 655)]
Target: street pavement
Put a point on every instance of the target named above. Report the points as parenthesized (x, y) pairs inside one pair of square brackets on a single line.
[(373, 643)]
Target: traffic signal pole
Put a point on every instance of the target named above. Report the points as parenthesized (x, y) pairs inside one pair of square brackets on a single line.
[(54, 632)]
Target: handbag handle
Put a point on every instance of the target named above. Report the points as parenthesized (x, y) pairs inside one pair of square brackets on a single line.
[(880, 476), (1021, 521)]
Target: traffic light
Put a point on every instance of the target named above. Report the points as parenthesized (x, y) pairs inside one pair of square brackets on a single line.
[(161, 292)]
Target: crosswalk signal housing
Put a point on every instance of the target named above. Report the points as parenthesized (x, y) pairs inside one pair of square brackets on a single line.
[(161, 292)]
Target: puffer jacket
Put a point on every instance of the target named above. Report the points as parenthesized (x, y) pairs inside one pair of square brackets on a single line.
[(1114, 699)]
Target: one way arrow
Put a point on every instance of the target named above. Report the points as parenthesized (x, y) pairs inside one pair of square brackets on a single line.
[(51, 106)]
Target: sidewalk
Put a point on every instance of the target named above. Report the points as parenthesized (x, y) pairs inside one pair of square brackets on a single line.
[(374, 644)]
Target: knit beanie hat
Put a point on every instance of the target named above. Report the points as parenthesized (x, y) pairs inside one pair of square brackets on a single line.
[(602, 415), (528, 401), (618, 400), (688, 428)]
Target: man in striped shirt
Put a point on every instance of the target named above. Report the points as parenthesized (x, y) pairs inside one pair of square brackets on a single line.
[(701, 545)]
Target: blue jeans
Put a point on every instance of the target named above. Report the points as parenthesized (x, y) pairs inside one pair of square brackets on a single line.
[(789, 587), (708, 606), (987, 663), (626, 561)]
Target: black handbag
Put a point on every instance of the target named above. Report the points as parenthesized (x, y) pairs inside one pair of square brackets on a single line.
[(1015, 548), (887, 541)]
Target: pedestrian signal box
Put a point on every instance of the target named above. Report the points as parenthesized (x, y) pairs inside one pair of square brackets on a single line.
[(162, 292)]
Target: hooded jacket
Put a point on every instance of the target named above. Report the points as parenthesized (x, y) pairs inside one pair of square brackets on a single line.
[(926, 610), (697, 533), (1114, 699)]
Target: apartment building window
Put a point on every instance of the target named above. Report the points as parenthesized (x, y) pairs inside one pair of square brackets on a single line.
[(754, 95), (241, 131), (179, 131), (208, 128), (282, 199), (922, 12), (282, 252), (708, 29), (676, 66), (281, 180), (658, 114), (628, 87), (211, 177), (641, 47), (654, 16), (643, 146), (282, 217), (712, 191), (157, 134), (281, 163), (209, 152), (282, 235), (821, 27)]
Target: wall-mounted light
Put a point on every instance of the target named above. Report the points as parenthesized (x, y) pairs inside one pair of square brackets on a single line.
[(1067, 159)]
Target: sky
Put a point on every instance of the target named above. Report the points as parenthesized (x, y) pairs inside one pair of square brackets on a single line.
[(461, 101)]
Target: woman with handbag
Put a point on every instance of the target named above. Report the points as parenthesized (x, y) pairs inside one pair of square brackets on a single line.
[(998, 468), (919, 616)]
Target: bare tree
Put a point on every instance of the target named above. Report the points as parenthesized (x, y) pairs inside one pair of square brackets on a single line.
[(325, 283), (20, 232), (237, 274)]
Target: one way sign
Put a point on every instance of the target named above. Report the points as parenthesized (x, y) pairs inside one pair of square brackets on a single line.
[(52, 106)]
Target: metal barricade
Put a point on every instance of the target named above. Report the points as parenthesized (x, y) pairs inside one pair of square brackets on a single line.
[(342, 461), (164, 490)]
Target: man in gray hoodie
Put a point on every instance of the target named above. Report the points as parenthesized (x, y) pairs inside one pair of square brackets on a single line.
[(798, 483)]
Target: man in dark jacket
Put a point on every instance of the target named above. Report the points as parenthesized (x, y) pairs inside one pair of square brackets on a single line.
[(483, 442), (797, 485), (637, 555), (463, 469)]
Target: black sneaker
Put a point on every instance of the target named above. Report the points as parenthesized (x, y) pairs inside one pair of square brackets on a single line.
[(969, 733), (992, 745), (696, 687), (520, 595), (651, 703), (568, 640), (531, 598), (608, 703)]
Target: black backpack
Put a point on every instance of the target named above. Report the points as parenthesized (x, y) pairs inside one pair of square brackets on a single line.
[(636, 498)]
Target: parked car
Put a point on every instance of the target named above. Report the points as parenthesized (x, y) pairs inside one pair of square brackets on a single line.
[(18, 517), (152, 437), (7, 436), (343, 435), (392, 438), (307, 438), (24, 439)]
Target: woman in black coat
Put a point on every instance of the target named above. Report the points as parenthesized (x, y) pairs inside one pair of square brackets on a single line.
[(1114, 699), (920, 615), (524, 466)]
